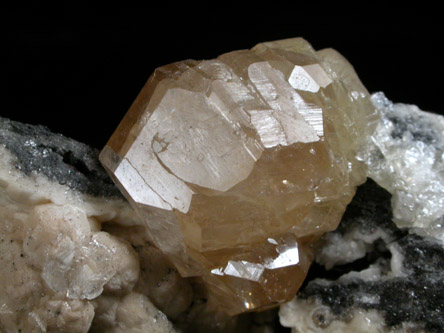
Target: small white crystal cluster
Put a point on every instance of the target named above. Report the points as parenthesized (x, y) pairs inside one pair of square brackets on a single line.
[(405, 155), (74, 258)]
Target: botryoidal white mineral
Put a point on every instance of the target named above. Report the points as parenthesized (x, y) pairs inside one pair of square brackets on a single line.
[(58, 271)]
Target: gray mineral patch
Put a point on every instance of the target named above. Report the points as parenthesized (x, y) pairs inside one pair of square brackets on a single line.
[(66, 161)]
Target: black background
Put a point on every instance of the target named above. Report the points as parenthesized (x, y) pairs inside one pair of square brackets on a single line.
[(79, 75)]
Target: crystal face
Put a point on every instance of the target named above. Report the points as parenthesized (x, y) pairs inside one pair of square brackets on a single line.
[(238, 164)]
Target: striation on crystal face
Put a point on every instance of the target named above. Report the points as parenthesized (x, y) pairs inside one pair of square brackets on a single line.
[(237, 164)]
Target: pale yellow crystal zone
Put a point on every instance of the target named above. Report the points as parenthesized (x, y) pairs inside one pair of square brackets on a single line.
[(238, 163)]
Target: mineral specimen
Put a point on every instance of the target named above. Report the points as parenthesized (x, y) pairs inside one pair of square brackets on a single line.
[(75, 257), (238, 164)]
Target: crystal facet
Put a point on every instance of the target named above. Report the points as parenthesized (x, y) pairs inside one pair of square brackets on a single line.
[(237, 164)]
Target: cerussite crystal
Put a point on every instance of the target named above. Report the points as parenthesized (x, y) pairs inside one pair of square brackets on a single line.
[(238, 164)]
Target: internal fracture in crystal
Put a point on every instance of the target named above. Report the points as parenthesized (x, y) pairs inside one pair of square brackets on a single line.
[(238, 164)]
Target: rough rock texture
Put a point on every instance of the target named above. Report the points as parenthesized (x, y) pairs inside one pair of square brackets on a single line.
[(131, 313), (373, 274), (237, 164), (58, 270)]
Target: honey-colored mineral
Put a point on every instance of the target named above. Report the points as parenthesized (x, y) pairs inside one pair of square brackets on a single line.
[(238, 164)]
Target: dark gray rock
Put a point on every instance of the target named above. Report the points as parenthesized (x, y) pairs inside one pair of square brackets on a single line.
[(66, 161)]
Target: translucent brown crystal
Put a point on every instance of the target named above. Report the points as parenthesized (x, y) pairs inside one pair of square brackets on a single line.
[(239, 164)]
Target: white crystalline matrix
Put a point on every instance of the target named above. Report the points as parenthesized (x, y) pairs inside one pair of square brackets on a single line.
[(59, 271), (405, 155)]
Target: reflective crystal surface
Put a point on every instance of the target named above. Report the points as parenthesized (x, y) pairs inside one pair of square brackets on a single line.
[(237, 164)]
